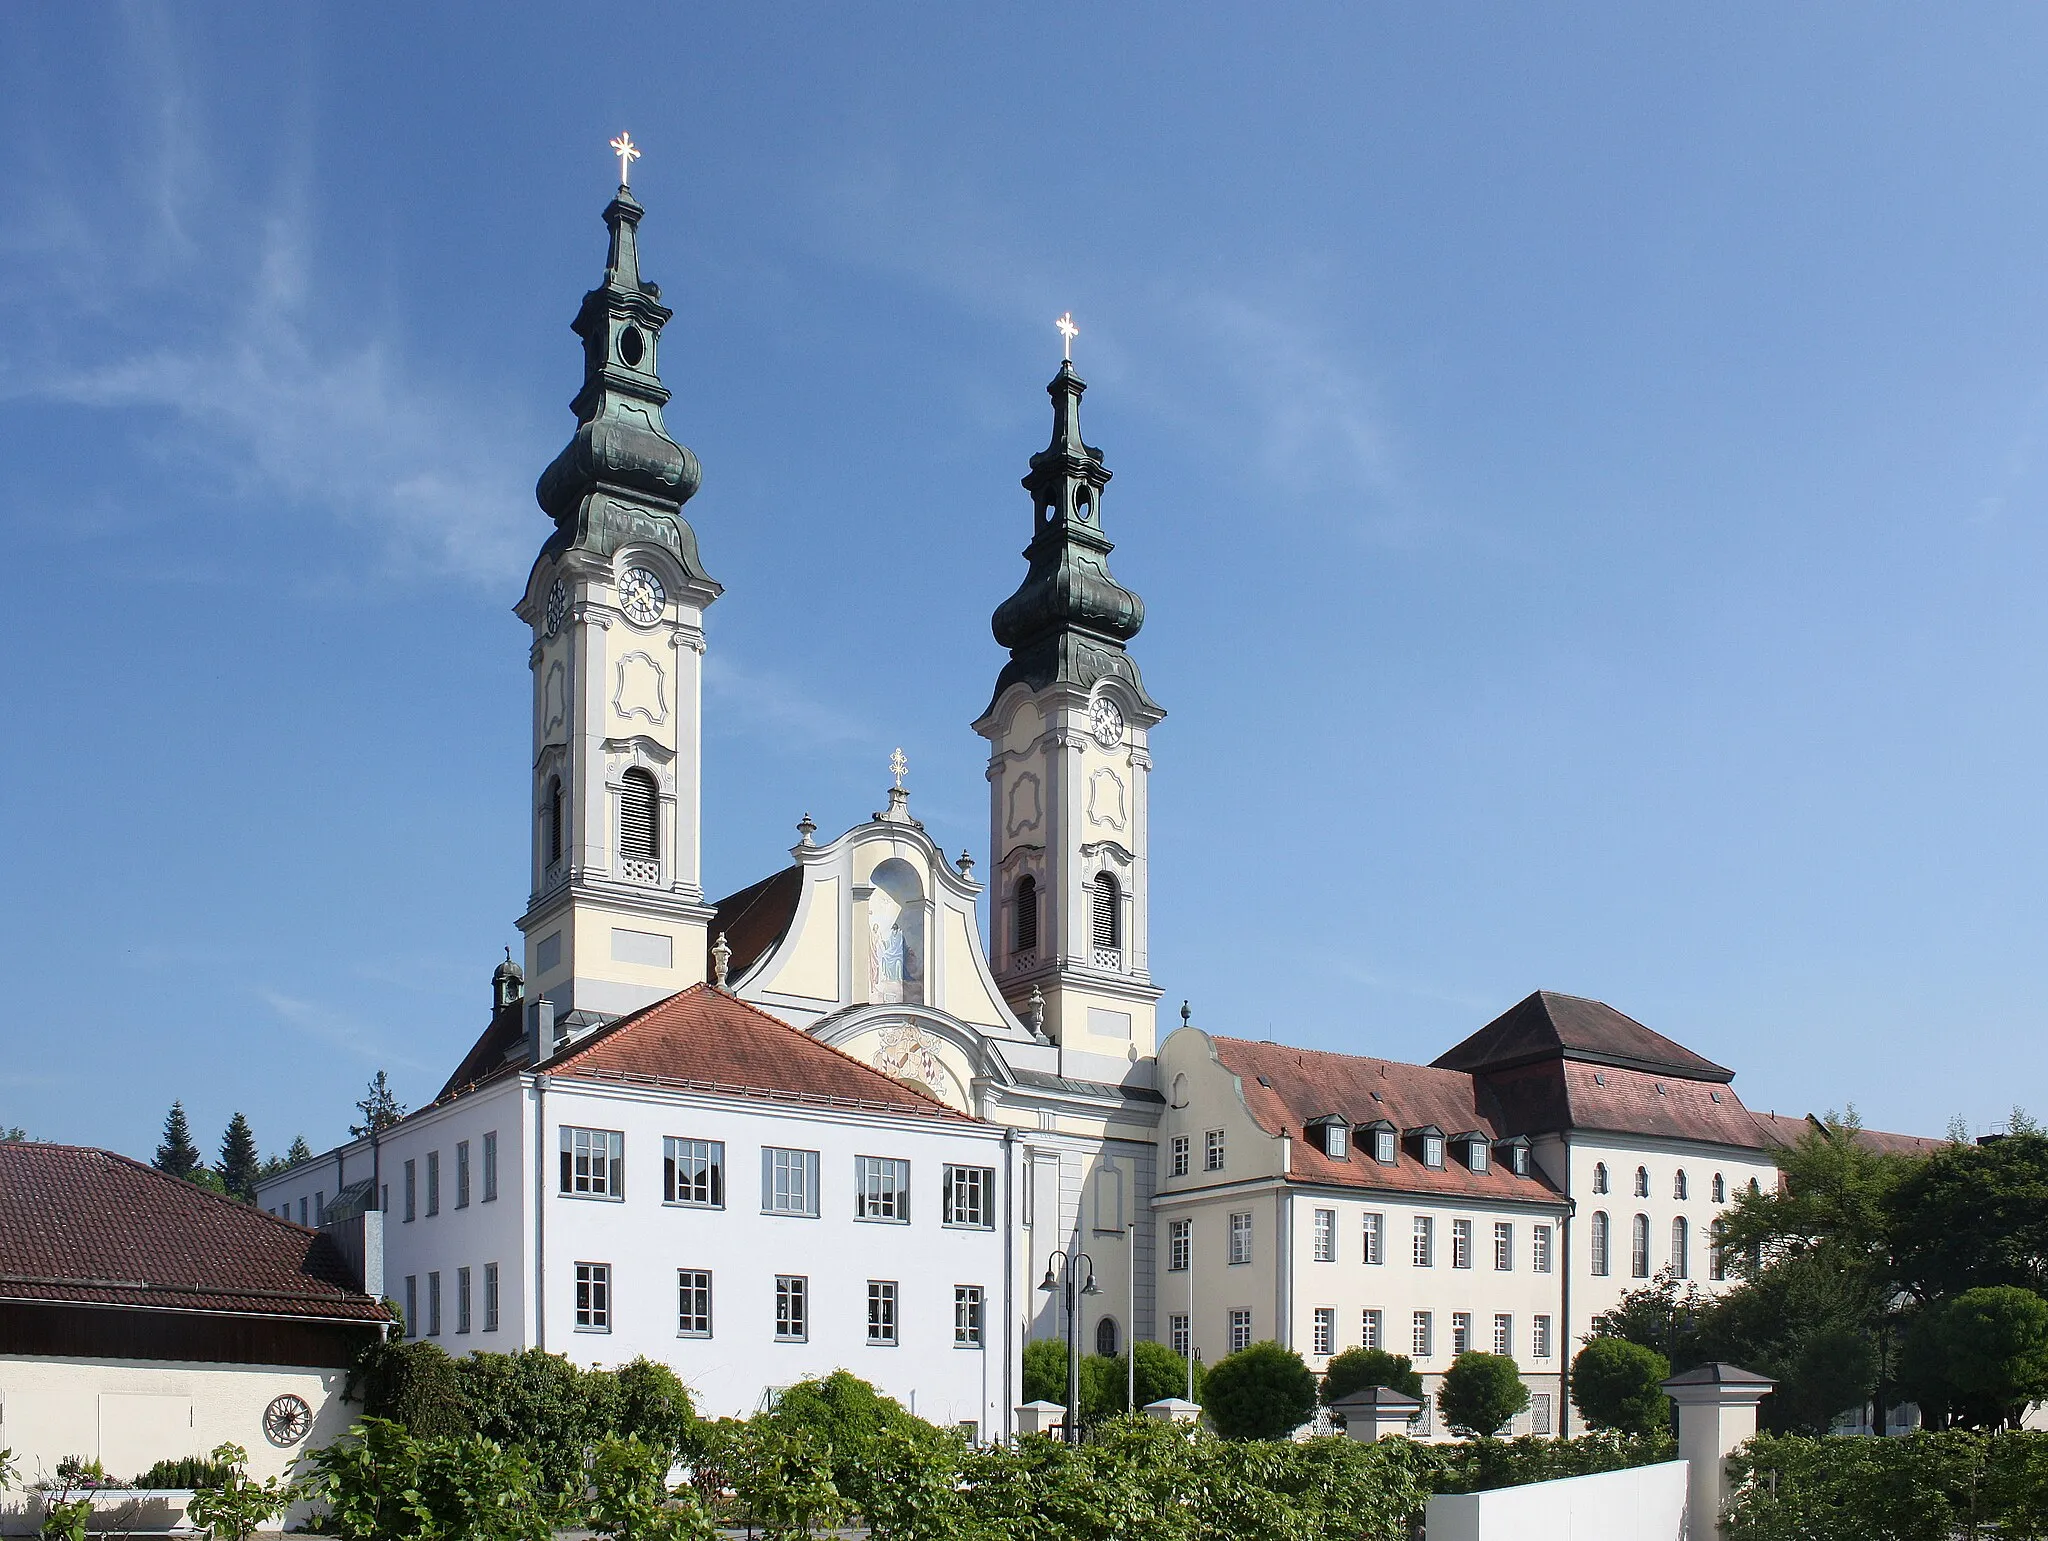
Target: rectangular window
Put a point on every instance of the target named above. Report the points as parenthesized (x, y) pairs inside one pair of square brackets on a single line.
[(1539, 1248), (970, 1197), (1177, 1334), (411, 1194), (302, 1211), (1369, 1329), (412, 1305), (1326, 1236), (789, 1181), (693, 1172), (1461, 1243), (1597, 1246), (433, 1182), (462, 1174), (490, 1297), (1639, 1247), (1180, 1245), (1539, 1338), (490, 1166), (1475, 1155), (1336, 1142), (1240, 1330), (594, 1162), (792, 1308), (1181, 1160), (1375, 1226), (693, 1302), (881, 1189), (1503, 1245), (320, 1206), (1425, 1242), (1504, 1335), (462, 1300), (1461, 1333), (967, 1303), (1240, 1238), (1419, 1344), (1539, 1413), (593, 1297), (1386, 1149), (1212, 1151), (434, 1304), (1324, 1337), (1433, 1151), (882, 1312)]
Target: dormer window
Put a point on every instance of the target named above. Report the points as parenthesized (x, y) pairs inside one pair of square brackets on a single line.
[(1476, 1149), (1430, 1142), (1331, 1135), (1382, 1142), (1515, 1153)]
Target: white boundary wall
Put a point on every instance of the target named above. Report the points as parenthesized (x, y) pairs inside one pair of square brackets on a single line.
[(1645, 1503)]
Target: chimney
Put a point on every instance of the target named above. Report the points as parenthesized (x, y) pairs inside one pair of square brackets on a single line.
[(543, 1043)]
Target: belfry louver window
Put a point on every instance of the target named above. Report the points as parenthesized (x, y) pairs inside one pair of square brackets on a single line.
[(553, 817), (1109, 923), (1026, 929), (639, 827)]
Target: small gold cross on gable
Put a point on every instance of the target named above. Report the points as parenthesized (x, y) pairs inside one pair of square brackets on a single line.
[(627, 152), (898, 767), (1067, 330)]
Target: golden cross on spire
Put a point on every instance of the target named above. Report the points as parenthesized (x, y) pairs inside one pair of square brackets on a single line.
[(627, 152), (898, 767), (1068, 331)]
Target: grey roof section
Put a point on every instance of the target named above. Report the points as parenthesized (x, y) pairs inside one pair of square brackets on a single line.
[(1101, 1090), (1369, 1397), (1718, 1374)]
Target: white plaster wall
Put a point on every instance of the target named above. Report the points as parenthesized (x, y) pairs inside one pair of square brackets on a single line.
[(130, 1413), (1646, 1503)]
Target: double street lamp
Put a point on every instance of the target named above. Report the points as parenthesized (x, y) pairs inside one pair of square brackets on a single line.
[(1074, 1273)]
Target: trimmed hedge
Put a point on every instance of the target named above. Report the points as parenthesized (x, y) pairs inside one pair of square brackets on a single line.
[(1928, 1486)]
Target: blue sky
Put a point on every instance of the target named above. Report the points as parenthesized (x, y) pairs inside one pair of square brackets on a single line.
[(1584, 464)]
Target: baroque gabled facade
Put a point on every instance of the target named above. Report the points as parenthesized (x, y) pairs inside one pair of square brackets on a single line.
[(931, 1116)]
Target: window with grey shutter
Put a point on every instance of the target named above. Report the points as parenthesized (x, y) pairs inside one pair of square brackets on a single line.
[(639, 827), (1025, 932), (1109, 926)]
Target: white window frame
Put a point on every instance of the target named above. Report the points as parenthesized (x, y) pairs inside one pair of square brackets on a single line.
[(881, 1190), (1371, 1327), (490, 1297), (1212, 1150), (1503, 1246), (1422, 1338), (593, 1163), (490, 1166), (1180, 1245), (1461, 1333), (1373, 1239), (1325, 1241), (1386, 1147), (970, 1198), (1461, 1243), (1182, 1158), (1504, 1334), (1539, 1337), (1240, 1237), (1600, 1244), (1323, 1332), (1639, 1247), (1539, 1248), (1240, 1329), (692, 1172), (1422, 1252), (1179, 1338), (693, 1302), (789, 1184), (969, 1305), (883, 1297), (792, 1308), (593, 1297)]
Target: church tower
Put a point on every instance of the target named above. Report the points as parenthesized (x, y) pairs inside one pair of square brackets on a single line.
[(1068, 731), (616, 604)]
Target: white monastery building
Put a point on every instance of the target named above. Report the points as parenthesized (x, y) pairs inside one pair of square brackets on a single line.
[(822, 1122)]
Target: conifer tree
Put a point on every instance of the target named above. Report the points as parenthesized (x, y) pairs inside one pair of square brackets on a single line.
[(380, 1107), (300, 1151), (239, 1163), (177, 1154)]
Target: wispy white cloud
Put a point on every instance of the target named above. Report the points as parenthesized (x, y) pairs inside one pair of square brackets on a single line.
[(341, 1030), (198, 310), (759, 703)]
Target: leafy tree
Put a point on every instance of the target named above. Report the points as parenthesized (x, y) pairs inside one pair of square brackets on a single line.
[(14, 1134), (540, 1402), (1617, 1385), (1102, 1379), (234, 1506), (653, 1407), (1983, 1356), (238, 1161), (176, 1154), (1161, 1373), (1260, 1392), (629, 1498), (1809, 1326), (477, 1489), (414, 1386), (379, 1106), (1045, 1370), (1661, 1316), (1974, 1216), (846, 1417), (1357, 1368), (1481, 1392)]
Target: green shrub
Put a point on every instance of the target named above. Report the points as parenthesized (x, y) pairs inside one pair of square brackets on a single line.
[(187, 1471), (368, 1482), (540, 1403), (413, 1384), (1260, 1392), (1921, 1487), (1480, 1465), (1481, 1393), (233, 1505), (653, 1406), (1618, 1385), (629, 1497), (1357, 1368)]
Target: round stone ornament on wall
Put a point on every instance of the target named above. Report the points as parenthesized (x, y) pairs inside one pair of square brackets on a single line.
[(641, 596), (558, 607), (287, 1420), (1106, 722)]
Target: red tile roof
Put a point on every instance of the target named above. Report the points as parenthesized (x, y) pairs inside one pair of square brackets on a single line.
[(1548, 1025), (1285, 1088), (705, 1038), (1782, 1129), (83, 1226)]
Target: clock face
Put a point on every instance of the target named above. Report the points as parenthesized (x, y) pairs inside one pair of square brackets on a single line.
[(1106, 722), (558, 607), (641, 596)]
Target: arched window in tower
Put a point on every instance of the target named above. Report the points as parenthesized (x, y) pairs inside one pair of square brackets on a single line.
[(1024, 930), (1105, 1337), (551, 817), (639, 827), (1109, 922), (896, 945)]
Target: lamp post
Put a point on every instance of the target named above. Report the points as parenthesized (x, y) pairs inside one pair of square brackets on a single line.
[(1073, 1273)]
